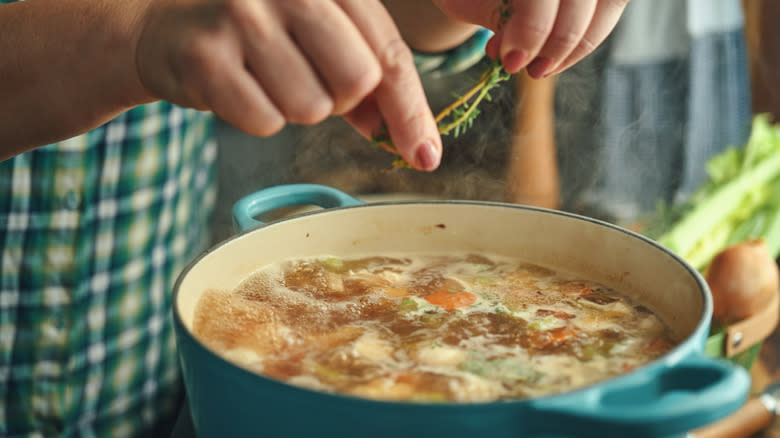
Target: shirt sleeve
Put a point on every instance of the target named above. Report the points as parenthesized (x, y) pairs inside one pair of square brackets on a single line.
[(456, 59)]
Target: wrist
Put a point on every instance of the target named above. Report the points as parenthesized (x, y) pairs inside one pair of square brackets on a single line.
[(133, 19)]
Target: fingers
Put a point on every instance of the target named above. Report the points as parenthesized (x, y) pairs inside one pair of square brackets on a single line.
[(260, 64), (281, 68), (237, 98), (525, 32), (520, 37), (338, 54), (544, 36), (605, 18), (399, 97), (572, 21), (337, 51), (545, 45), (204, 71)]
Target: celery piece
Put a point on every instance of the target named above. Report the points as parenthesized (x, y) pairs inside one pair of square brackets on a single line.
[(333, 264), (742, 183), (546, 323), (408, 305)]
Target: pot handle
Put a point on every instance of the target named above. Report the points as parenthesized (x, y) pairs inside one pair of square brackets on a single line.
[(662, 401), (288, 195)]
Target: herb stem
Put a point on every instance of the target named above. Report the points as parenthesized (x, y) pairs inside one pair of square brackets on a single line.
[(465, 98), (483, 87)]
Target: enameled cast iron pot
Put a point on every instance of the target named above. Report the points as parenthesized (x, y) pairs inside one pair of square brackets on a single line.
[(675, 393)]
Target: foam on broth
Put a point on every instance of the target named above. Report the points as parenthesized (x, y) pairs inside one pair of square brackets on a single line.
[(429, 327)]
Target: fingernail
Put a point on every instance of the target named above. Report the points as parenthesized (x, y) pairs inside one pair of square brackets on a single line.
[(538, 67), (427, 156), (515, 60)]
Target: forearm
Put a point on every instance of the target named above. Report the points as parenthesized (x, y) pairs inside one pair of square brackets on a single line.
[(425, 28), (67, 66)]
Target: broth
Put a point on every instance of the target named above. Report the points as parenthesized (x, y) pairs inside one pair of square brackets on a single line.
[(429, 328)]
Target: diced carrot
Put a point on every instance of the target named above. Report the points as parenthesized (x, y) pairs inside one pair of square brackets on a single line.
[(450, 300), (552, 338), (561, 334), (407, 378)]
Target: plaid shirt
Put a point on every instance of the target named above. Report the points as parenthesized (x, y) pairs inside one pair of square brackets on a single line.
[(93, 232)]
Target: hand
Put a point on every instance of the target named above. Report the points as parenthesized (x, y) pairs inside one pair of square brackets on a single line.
[(263, 63), (544, 36)]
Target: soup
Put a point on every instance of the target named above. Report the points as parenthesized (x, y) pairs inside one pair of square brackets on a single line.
[(429, 328)]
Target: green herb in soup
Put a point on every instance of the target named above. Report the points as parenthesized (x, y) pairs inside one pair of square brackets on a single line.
[(429, 327)]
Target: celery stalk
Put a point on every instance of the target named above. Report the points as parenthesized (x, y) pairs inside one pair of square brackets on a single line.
[(734, 194)]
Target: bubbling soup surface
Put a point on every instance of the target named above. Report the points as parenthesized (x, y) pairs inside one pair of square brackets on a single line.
[(429, 328)]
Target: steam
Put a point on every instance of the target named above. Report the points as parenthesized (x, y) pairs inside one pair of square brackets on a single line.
[(578, 128)]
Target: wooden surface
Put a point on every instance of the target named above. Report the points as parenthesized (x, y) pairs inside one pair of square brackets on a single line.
[(765, 371)]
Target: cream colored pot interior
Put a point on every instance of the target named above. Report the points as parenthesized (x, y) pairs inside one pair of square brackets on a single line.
[(591, 250)]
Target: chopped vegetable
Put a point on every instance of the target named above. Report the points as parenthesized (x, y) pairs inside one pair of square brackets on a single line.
[(500, 369), (333, 264), (451, 300), (546, 323), (598, 347), (408, 305), (743, 279), (551, 338)]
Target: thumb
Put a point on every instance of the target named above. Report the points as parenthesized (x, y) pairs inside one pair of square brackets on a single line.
[(486, 13)]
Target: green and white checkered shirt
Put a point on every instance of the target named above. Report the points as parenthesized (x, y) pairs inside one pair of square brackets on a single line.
[(93, 232)]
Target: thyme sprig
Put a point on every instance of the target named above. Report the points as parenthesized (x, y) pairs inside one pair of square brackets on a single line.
[(457, 117), (464, 110)]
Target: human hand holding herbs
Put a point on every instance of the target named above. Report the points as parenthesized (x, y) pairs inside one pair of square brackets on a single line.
[(260, 64), (459, 115), (543, 36)]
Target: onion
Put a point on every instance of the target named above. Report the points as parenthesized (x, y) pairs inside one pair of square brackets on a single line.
[(743, 279)]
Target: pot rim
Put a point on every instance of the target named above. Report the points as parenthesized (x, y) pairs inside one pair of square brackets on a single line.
[(694, 342)]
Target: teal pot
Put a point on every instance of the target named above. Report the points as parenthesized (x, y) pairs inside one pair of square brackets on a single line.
[(677, 392)]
